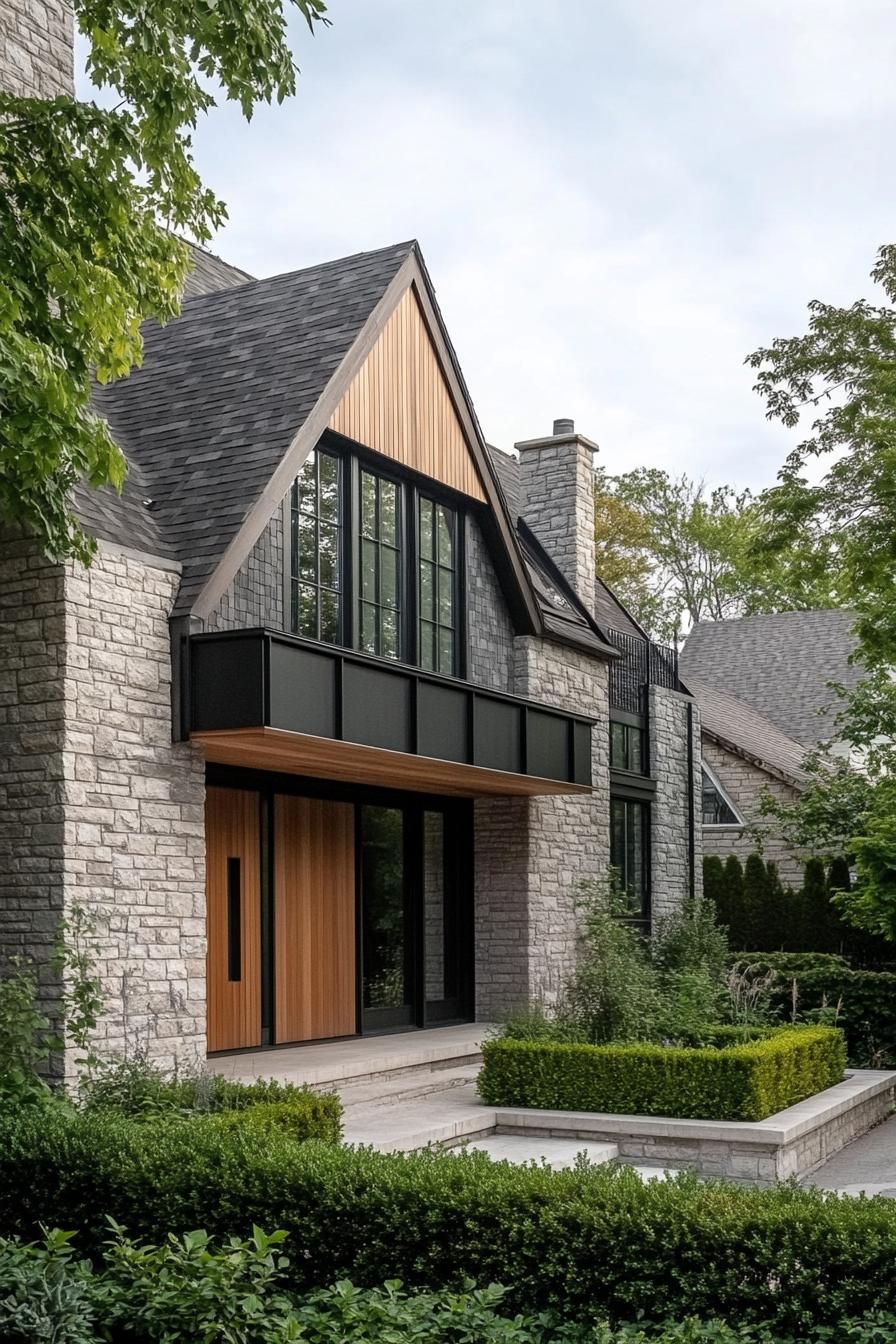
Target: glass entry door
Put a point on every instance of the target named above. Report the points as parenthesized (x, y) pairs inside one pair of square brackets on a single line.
[(387, 923)]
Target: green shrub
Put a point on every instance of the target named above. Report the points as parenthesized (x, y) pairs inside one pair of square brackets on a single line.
[(46, 1294), (865, 1001), (745, 1081), (587, 1244), (137, 1087)]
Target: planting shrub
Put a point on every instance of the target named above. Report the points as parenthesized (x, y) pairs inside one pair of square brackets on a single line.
[(585, 1243), (748, 1080), (138, 1088)]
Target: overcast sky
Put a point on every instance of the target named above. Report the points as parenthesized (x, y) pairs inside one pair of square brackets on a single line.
[(617, 199)]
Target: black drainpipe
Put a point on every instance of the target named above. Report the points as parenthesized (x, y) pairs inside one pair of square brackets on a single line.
[(692, 841)]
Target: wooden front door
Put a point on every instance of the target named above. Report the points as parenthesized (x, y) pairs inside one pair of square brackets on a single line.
[(314, 919), (233, 905)]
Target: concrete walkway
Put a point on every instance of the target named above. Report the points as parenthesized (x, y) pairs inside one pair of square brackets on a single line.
[(867, 1166)]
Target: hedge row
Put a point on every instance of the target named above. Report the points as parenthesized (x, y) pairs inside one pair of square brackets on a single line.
[(866, 1001), (747, 1081), (583, 1243)]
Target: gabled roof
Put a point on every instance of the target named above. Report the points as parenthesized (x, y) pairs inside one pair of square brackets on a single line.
[(209, 273), (780, 664), (210, 416), (740, 729)]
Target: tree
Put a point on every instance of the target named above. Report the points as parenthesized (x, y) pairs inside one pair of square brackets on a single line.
[(677, 552), (89, 202), (732, 913)]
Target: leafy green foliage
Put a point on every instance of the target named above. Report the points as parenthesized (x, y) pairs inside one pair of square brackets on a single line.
[(677, 552), (587, 1244), (83, 252), (25, 1038), (745, 1081), (46, 1294)]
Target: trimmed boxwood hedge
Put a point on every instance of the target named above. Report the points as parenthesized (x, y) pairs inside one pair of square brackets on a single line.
[(583, 1243), (744, 1081)]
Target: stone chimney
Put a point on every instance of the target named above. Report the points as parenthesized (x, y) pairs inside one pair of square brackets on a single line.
[(557, 501)]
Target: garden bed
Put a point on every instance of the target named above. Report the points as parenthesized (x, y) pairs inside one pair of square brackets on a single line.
[(735, 1079)]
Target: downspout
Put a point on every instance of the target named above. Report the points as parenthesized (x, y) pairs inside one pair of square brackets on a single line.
[(692, 840)]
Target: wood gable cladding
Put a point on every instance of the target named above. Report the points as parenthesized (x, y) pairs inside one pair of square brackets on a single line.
[(399, 405)]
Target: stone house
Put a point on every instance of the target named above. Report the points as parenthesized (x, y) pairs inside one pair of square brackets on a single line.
[(340, 715), (764, 685)]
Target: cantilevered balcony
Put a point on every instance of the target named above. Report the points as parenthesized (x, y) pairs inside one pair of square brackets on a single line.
[(264, 700)]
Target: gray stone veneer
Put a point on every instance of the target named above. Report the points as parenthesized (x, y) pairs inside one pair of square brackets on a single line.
[(104, 811), (36, 48), (489, 629), (745, 784), (531, 854), (256, 595), (670, 867), (557, 502)]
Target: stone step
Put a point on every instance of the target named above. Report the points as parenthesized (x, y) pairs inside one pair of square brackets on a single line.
[(555, 1153), (443, 1118), (406, 1086)]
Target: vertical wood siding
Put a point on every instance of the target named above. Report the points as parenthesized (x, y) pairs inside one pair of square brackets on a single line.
[(399, 405), (314, 919), (232, 832)]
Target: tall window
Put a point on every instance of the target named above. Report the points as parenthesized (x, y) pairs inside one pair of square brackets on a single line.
[(437, 595), (379, 601), (629, 827), (316, 548), (626, 747)]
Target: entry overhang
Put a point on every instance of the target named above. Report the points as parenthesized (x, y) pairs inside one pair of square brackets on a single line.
[(269, 701)]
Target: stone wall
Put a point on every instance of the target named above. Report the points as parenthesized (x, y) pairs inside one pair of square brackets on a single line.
[(557, 503), (745, 784), (32, 704), (133, 825), (255, 597), (97, 807), (531, 854), (670, 821), (36, 48), (489, 628)]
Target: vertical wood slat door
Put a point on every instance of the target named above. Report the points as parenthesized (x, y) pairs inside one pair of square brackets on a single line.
[(314, 919), (233, 915)]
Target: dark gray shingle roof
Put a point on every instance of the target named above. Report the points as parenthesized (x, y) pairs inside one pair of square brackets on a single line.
[(780, 664), (207, 419), (209, 273), (732, 721)]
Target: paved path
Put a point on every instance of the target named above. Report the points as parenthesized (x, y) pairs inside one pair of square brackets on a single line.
[(866, 1166)]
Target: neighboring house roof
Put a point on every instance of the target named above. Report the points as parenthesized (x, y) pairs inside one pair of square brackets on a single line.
[(209, 273), (738, 728), (222, 391), (781, 665)]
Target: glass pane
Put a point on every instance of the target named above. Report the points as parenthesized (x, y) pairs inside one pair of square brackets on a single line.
[(427, 590), (329, 615), (367, 633), (368, 570), (617, 837), (389, 646), (428, 646), (385, 982), (446, 596), (446, 651), (426, 531), (446, 536), (329, 555), (308, 485), (307, 622), (617, 747), (388, 577), (635, 883), (434, 921), (368, 504), (329, 487), (635, 750), (389, 512), (307, 550)]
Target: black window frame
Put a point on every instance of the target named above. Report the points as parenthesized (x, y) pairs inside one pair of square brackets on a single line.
[(294, 514), (438, 568), (412, 488), (624, 726), (641, 913)]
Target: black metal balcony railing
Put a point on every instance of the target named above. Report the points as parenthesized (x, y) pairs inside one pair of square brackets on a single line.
[(243, 679), (643, 664)]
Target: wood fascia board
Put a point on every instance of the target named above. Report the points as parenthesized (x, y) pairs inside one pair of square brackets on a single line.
[(765, 766), (306, 438), (476, 445)]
